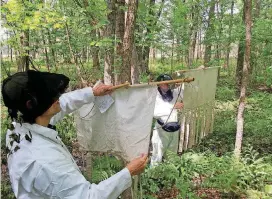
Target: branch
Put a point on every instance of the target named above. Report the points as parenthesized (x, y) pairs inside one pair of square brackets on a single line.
[(33, 66), (78, 3)]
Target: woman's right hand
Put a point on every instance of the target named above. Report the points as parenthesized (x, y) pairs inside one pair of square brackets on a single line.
[(137, 165), (102, 89)]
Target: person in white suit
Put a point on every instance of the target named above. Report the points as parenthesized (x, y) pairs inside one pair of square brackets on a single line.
[(166, 131), (39, 164)]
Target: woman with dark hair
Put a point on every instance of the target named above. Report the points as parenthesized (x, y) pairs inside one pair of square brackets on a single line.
[(166, 131), (40, 166)]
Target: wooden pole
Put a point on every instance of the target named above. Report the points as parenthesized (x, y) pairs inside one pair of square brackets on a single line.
[(127, 85)]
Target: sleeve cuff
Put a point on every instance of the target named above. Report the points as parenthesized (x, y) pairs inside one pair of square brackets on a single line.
[(88, 93), (126, 179)]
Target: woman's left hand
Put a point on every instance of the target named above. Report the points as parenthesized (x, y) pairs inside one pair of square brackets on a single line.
[(178, 105)]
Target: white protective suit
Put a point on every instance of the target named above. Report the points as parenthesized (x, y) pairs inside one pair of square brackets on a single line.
[(161, 139), (44, 168)]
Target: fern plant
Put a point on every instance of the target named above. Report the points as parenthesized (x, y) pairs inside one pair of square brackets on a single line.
[(105, 166), (254, 173)]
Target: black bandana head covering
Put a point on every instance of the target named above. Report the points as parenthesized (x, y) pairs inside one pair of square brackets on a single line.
[(166, 96), (41, 88)]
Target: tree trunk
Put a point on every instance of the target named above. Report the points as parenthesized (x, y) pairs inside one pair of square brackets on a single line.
[(87, 54), (178, 51), (193, 35), (207, 56), (135, 75), (119, 31), (23, 59), (240, 63), (257, 8), (240, 115), (109, 54), (217, 52), (240, 60), (95, 53), (194, 45), (229, 37), (74, 58), (94, 34), (172, 54), (146, 49), (27, 51), (220, 17), (11, 55), (51, 47), (254, 48), (199, 53), (153, 55), (192, 49), (8, 47), (84, 54), (46, 54), (128, 40)]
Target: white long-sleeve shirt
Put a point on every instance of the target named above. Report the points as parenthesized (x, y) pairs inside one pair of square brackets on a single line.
[(44, 168)]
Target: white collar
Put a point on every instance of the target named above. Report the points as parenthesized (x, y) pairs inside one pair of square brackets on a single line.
[(44, 131)]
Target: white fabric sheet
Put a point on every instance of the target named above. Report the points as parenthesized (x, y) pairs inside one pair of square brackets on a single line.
[(124, 129)]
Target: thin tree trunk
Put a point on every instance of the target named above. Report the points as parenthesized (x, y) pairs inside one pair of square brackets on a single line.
[(162, 56), (146, 50), (128, 40), (192, 49), (254, 48), (134, 67), (199, 55), (217, 52), (207, 56), (230, 34), (240, 115), (94, 33), (239, 67), (240, 60), (178, 51), (193, 35), (74, 56), (194, 45), (51, 47), (83, 55), (119, 31), (46, 54), (11, 57), (27, 51), (8, 47), (87, 54), (220, 16), (172, 54), (23, 59), (109, 54), (95, 52), (154, 55)]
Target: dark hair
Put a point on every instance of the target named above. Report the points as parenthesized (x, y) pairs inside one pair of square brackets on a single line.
[(21, 117), (164, 77), (29, 94)]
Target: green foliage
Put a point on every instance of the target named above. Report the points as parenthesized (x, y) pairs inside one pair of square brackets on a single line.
[(265, 78), (166, 68), (104, 167), (194, 171), (175, 172), (6, 190), (66, 130)]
